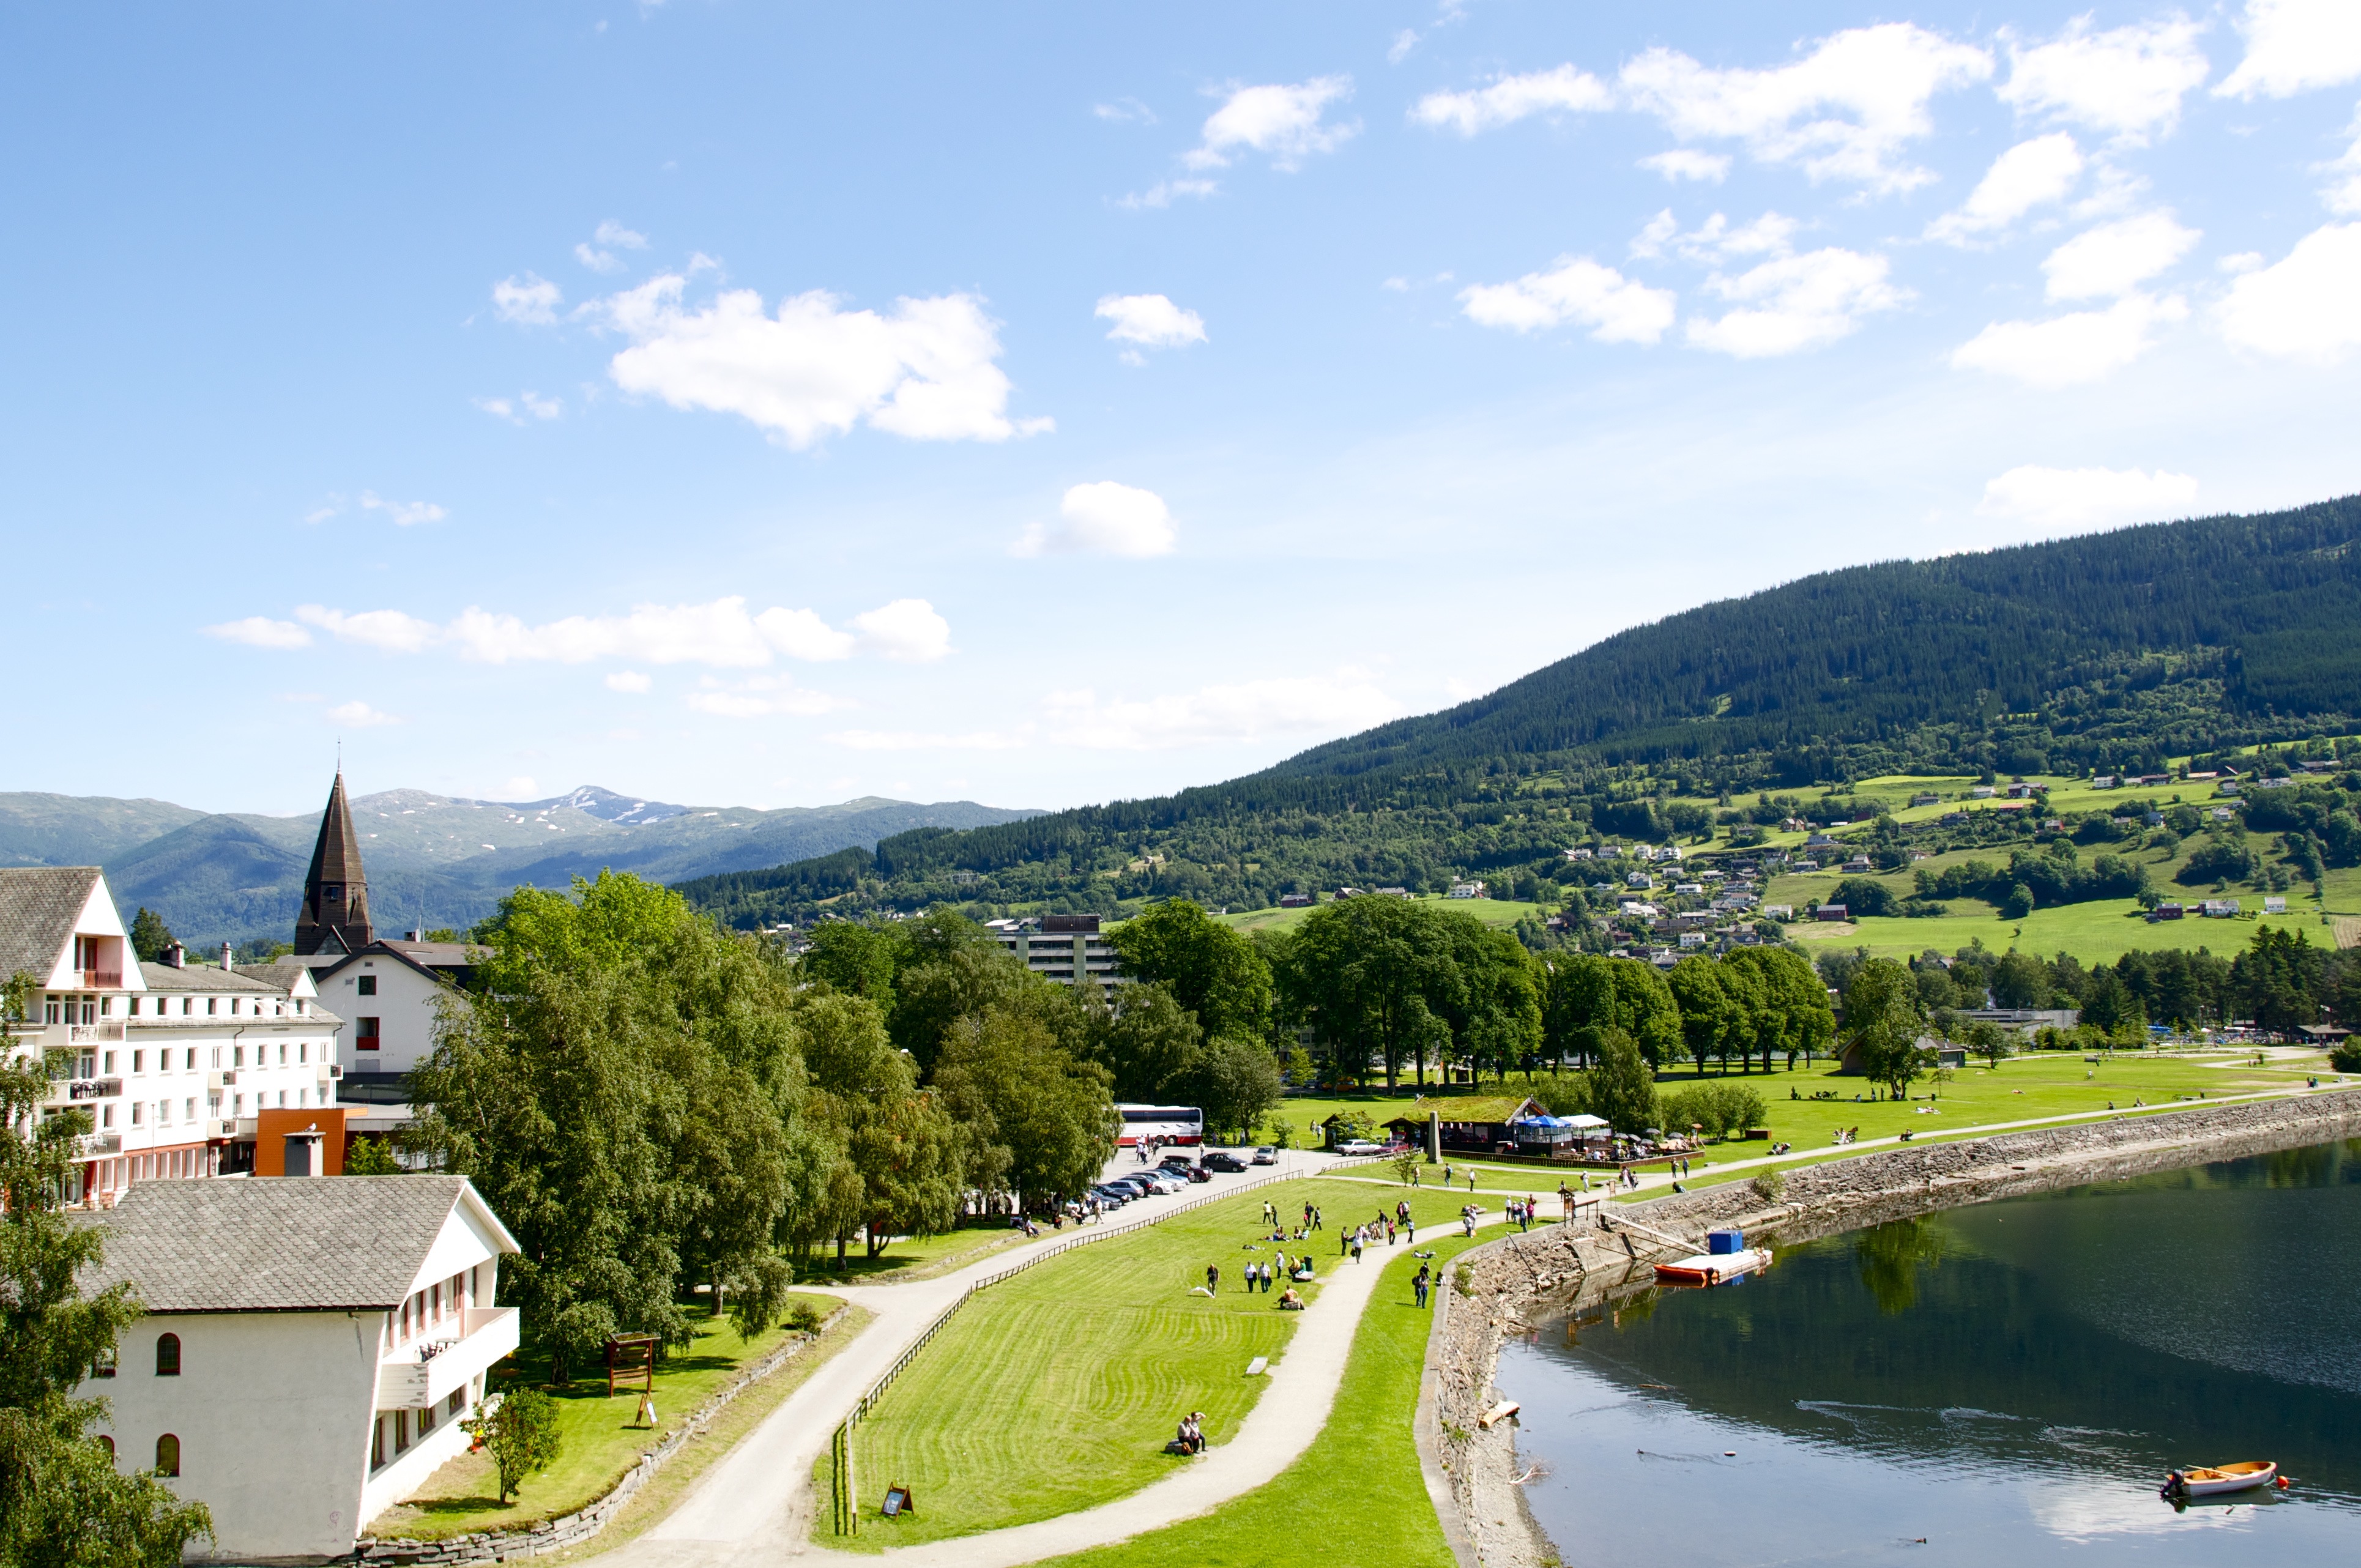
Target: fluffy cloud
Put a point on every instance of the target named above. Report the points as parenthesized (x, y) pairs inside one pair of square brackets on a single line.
[(1150, 320), (404, 514), (2293, 46), (1687, 163), (2080, 498), (524, 406), (261, 631), (1105, 519), (609, 233), (760, 696), (2127, 83), (720, 634), (1512, 98), (1286, 123), (2112, 259), (925, 371), (2030, 174), (2068, 350), (359, 716), (907, 631), (1337, 704), (1795, 302), (1846, 111), (1578, 292), (530, 300), (2345, 196), (2305, 308)]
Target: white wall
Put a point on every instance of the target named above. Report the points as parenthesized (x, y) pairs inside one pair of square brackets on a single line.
[(404, 1006), (273, 1411)]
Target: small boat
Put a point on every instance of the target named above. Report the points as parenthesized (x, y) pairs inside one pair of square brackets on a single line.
[(1714, 1268), (2214, 1480)]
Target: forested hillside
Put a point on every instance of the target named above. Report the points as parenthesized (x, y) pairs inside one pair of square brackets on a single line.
[(2109, 652)]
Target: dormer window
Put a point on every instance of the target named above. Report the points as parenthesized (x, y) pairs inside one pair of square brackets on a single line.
[(332, 892)]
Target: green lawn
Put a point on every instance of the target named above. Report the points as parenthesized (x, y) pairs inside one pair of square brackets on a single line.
[(2095, 933), (1058, 1391), (599, 1442), (1356, 1496), (912, 1257), (1502, 912)]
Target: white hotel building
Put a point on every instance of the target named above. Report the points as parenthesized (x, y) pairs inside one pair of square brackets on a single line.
[(174, 1063)]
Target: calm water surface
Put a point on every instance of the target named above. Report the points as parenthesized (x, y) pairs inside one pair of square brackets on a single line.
[(2008, 1381)]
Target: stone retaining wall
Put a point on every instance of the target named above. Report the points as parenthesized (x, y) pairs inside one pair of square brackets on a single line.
[(556, 1535), (1488, 1292)]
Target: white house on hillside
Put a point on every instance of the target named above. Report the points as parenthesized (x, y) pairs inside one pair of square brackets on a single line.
[(308, 1350)]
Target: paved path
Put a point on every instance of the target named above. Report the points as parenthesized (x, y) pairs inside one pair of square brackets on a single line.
[(755, 1507)]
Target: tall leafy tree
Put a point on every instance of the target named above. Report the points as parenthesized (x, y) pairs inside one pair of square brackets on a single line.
[(1622, 1087), (902, 1165), (63, 1504), (1212, 970), (1042, 1121), (1709, 1017), (1883, 1020), (855, 958), (149, 935), (1373, 976)]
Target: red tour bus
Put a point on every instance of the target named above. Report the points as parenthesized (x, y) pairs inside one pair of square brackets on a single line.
[(1165, 1124)]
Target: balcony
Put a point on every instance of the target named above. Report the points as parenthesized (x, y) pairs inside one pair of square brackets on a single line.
[(94, 1034), (74, 1090), (429, 1369), (99, 1144), (101, 980)]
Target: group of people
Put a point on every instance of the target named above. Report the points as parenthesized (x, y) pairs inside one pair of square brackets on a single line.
[(1191, 1439)]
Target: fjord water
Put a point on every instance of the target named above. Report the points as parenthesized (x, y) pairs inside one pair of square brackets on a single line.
[(2002, 1383)]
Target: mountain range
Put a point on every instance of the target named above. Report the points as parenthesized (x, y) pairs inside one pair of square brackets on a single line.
[(433, 860), (2110, 652)]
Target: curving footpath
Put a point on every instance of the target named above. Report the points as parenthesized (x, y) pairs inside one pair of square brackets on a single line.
[(756, 1505)]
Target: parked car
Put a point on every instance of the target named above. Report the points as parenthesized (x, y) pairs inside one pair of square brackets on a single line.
[(1352, 1147), (1194, 1172), (1113, 1197), (1176, 1162), (1267, 1155), (1222, 1160), (1168, 1181)]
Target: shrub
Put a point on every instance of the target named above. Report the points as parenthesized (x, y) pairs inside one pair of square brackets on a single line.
[(2346, 1057), (1770, 1185), (520, 1434), (804, 1315), (2224, 859)]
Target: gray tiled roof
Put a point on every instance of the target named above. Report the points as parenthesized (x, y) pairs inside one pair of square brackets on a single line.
[(202, 978), (275, 1243), (38, 905)]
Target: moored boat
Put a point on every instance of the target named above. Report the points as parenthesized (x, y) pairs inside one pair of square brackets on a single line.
[(2214, 1480), (1714, 1268)]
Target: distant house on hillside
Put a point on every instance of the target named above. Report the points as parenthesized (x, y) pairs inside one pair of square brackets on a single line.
[(1466, 889), (1831, 911), (1295, 901), (1926, 798)]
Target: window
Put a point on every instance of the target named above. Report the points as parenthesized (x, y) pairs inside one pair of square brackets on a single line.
[(189, 1110), (139, 1061), (368, 1036), (110, 1064), (189, 1057), (304, 1050), (105, 1365), (106, 1116), (238, 1055), (237, 1105), (137, 1107), (377, 1443), (163, 1112), (302, 1008), (211, 1002), (283, 1054), (216, 1060), (369, 985), (426, 1420), (168, 1455), (233, 1006), (188, 1005), (168, 1358), (401, 1430), (107, 1444), (459, 1401)]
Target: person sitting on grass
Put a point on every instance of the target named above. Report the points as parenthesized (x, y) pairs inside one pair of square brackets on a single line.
[(1289, 1300)]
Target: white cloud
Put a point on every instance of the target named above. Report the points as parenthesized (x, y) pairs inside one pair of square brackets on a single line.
[(2083, 498), (925, 371), (597, 260), (2293, 46), (1846, 111), (2126, 82), (404, 513), (2030, 174), (1687, 163), (919, 740), (1796, 302), (720, 634), (1773, 234), (1576, 291), (1512, 98), (609, 233), (1284, 123), (359, 716), (1150, 320), (2345, 196), (530, 300), (1404, 41), (907, 631), (628, 681), (1126, 111), (612, 232), (1336, 704), (2307, 307), (2071, 349), (261, 631), (760, 696), (387, 629), (2112, 259), (1160, 194), (1105, 519)]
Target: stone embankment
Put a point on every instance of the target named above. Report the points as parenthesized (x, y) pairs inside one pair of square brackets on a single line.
[(546, 1536), (1491, 1292)]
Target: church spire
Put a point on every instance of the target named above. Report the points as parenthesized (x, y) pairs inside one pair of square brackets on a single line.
[(335, 916)]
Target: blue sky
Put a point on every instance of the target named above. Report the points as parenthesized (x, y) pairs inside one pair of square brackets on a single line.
[(1038, 404)]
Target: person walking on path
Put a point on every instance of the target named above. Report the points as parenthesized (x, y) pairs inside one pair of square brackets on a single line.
[(1343, 1242), (1446, 1173), (1318, 1219), (1357, 1246), (1417, 1284), (1471, 1181)]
